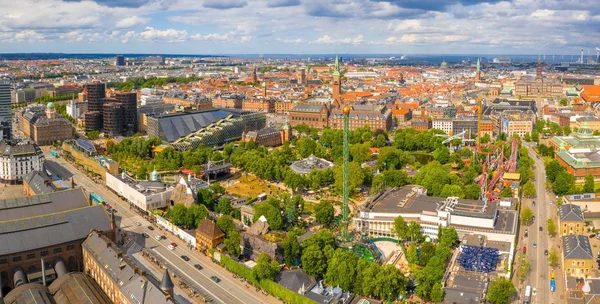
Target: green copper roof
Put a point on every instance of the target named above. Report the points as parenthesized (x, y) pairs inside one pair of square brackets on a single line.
[(336, 69)]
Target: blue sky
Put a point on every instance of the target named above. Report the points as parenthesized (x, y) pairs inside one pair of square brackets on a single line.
[(300, 26)]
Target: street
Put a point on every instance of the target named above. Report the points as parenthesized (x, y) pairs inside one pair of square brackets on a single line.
[(539, 275), (229, 290)]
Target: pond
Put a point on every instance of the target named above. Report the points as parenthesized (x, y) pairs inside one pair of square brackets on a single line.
[(423, 158)]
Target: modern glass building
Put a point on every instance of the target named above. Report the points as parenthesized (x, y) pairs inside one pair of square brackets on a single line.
[(5, 110)]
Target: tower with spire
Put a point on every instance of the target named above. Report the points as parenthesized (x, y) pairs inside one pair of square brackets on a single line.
[(538, 74), (337, 83), (478, 73), (254, 77)]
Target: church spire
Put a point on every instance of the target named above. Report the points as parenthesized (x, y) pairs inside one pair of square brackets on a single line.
[(336, 69)]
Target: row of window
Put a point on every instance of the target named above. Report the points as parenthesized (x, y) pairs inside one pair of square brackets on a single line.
[(30, 256)]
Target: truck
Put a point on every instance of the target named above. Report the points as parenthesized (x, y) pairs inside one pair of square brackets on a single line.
[(552, 285), (527, 296)]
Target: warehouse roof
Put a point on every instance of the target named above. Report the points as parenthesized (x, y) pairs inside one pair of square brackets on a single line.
[(32, 206), (29, 233)]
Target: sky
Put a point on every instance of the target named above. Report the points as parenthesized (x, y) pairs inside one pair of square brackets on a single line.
[(300, 26)]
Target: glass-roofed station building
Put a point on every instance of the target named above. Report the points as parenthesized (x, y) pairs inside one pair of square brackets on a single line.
[(579, 153), (212, 127)]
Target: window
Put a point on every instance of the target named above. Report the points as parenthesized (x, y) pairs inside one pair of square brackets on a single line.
[(31, 256), (57, 250), (70, 246), (44, 253), (3, 261), (16, 258)]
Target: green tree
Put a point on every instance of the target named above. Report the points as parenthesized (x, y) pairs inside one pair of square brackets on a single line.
[(500, 291), (306, 146), (379, 141), (226, 224), (437, 293), (356, 177), (526, 215), (411, 253), (567, 130), (177, 214), (427, 252), (400, 228), (389, 282), (551, 227), (232, 243), (529, 189), (224, 206), (527, 137), (433, 176), (198, 213), (313, 260), (564, 102), (553, 168), (564, 183), (324, 212), (342, 269), (291, 248), (441, 154), (93, 135), (535, 136), (506, 192), (414, 230), (449, 237), (553, 258), (452, 190), (485, 139), (589, 185), (524, 267), (265, 267)]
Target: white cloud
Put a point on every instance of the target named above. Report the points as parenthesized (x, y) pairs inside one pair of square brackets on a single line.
[(326, 39), (29, 35), (125, 38), (151, 34), (406, 38), (232, 37), (131, 22)]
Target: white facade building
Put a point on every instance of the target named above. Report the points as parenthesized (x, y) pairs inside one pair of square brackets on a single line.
[(75, 109), (443, 124), (146, 195), (17, 161)]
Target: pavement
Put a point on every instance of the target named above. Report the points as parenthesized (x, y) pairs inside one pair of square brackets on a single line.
[(539, 275), (229, 290)]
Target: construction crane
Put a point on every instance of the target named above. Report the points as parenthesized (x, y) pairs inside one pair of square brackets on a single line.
[(449, 139)]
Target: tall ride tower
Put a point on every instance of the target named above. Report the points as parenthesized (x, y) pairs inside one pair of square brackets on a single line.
[(478, 73), (346, 190)]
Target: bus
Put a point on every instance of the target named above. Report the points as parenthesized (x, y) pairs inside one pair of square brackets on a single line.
[(527, 297), (552, 285)]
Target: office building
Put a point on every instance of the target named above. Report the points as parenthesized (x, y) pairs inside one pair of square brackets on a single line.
[(120, 60), (570, 219), (145, 195), (49, 226), (159, 60), (128, 101), (44, 128), (112, 118), (5, 110), (96, 93)]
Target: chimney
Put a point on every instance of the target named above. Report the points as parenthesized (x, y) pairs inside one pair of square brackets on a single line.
[(43, 273)]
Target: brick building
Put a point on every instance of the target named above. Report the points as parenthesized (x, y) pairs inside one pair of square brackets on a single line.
[(268, 137), (258, 105), (283, 107), (374, 116), (314, 115), (229, 101)]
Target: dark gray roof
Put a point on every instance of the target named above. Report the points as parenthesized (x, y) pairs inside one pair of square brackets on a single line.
[(38, 182), (19, 150), (166, 284), (32, 206), (577, 247), (51, 229), (57, 171), (471, 283), (179, 125), (457, 296), (294, 279), (570, 213), (124, 272), (313, 108)]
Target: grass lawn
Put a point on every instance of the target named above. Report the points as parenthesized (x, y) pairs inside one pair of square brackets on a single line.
[(251, 186)]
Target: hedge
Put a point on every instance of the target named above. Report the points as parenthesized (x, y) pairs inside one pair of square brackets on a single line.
[(267, 285), (283, 293), (238, 269)]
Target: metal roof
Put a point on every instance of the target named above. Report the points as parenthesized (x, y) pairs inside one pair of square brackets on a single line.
[(85, 145), (570, 213), (176, 126), (577, 247), (32, 206), (52, 229)]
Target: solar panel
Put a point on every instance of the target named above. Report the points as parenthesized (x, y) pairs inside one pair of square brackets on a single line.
[(86, 145)]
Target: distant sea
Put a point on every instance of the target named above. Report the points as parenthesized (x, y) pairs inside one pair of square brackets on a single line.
[(409, 58)]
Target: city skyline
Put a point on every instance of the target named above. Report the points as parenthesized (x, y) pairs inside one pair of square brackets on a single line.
[(300, 27)]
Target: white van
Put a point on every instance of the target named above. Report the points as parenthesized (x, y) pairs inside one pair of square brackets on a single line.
[(158, 237)]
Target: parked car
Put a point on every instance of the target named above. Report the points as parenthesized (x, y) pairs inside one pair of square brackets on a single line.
[(592, 236), (526, 232), (546, 252), (198, 266), (172, 246), (150, 228), (541, 229), (215, 279), (185, 258), (145, 235), (534, 245), (533, 203), (524, 249), (138, 224)]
